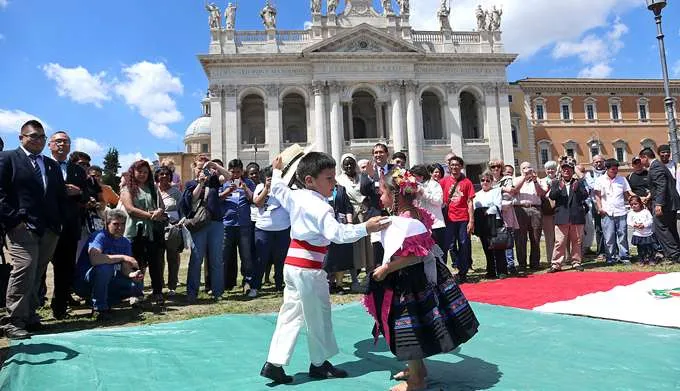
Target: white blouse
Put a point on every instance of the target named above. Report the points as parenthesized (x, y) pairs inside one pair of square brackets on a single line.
[(432, 200)]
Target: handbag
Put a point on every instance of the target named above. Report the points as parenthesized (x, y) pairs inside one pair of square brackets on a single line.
[(199, 218), (502, 240), (159, 227), (445, 208)]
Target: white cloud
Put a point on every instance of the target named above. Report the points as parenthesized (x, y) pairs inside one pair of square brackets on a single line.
[(11, 121), (307, 25), (528, 25), (148, 89), (4, 3), (91, 147), (127, 159), (2, 37), (79, 84), (675, 71), (596, 53)]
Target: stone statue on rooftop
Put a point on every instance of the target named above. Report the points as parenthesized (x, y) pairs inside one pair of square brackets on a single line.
[(387, 7), (481, 18), (404, 7), (443, 15), (230, 16), (332, 7), (495, 19), (316, 6), (214, 17), (268, 16)]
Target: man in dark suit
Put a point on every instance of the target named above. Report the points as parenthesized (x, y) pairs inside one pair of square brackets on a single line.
[(77, 189), (570, 195), (369, 184), (665, 204), (32, 193)]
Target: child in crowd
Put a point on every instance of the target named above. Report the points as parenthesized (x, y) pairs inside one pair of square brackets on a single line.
[(306, 299), (413, 297), (641, 221)]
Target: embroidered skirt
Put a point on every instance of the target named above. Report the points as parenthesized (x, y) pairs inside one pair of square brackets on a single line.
[(419, 319)]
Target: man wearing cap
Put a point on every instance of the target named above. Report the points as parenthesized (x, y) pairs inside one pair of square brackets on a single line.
[(611, 191), (570, 195), (665, 204), (639, 180)]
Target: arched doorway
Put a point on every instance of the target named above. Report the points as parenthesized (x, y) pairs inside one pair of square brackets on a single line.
[(364, 119), (470, 116), (252, 120), (294, 115), (433, 128)]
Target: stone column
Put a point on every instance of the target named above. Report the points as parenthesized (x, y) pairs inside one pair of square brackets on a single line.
[(505, 125), (216, 129), (321, 133), (413, 133), (380, 131), (337, 126), (232, 125), (453, 120), (531, 139), (350, 118), (273, 131), (397, 117), (492, 128)]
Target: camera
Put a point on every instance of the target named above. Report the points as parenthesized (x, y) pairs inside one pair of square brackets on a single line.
[(206, 172)]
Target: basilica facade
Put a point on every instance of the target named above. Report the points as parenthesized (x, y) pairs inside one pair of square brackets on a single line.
[(353, 78)]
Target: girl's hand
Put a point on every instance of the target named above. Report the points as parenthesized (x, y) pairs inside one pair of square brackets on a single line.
[(380, 273)]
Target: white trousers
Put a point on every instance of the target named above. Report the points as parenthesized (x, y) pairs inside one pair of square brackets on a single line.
[(306, 302)]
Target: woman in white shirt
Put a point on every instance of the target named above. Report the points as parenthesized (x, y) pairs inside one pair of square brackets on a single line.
[(431, 199), (487, 204), (272, 234)]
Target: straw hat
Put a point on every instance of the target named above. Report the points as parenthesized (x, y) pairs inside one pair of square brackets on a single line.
[(291, 157)]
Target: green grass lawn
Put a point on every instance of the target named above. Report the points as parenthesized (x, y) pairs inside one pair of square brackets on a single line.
[(234, 301)]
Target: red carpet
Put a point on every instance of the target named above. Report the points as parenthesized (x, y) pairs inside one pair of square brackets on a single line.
[(539, 289)]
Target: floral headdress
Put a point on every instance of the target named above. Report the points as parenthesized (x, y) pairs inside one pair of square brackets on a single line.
[(406, 182)]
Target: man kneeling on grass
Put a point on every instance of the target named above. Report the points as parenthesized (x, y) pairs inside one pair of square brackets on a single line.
[(106, 270)]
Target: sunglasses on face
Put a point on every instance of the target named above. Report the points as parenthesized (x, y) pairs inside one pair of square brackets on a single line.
[(35, 136), (486, 181)]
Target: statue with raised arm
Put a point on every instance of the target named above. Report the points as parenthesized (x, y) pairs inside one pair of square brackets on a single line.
[(481, 18), (332, 7), (316, 7), (387, 7), (230, 16), (214, 18), (268, 16), (443, 15), (404, 7), (495, 22)]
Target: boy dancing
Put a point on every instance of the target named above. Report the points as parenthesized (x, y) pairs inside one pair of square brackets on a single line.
[(306, 299)]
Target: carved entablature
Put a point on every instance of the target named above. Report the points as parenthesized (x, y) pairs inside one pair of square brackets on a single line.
[(230, 90), (272, 89), (318, 87), (452, 88)]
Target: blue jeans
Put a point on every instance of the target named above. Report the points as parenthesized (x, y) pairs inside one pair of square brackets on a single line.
[(209, 240), (615, 237), (459, 245), (110, 286), (237, 238), (270, 246), (510, 254)]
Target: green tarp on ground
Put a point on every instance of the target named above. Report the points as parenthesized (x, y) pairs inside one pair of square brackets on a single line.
[(514, 350)]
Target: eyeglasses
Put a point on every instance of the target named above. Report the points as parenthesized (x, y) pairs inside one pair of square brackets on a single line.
[(62, 141), (496, 167), (35, 136), (485, 180)]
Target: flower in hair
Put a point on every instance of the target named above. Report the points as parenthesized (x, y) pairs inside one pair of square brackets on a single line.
[(405, 181)]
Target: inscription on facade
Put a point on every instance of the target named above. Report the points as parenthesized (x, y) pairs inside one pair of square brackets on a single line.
[(366, 67), (230, 73), (460, 69)]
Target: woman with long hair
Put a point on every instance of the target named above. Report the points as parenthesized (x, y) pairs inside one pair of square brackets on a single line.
[(145, 209), (488, 216), (171, 197)]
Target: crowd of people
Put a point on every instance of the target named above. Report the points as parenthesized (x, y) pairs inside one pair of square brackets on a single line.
[(102, 244)]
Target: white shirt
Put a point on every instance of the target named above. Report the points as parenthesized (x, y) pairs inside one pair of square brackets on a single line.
[(529, 193), (271, 216), (671, 167), (41, 163), (313, 219), (642, 217), (432, 200), (612, 194), (491, 199)]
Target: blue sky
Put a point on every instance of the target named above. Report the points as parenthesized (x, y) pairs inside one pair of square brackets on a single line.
[(125, 73)]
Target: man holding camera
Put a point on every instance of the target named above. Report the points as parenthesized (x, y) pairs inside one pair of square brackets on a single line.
[(527, 205)]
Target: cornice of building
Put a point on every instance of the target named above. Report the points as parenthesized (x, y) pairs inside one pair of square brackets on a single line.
[(576, 86)]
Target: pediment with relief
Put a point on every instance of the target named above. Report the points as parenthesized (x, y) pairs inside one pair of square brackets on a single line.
[(363, 39)]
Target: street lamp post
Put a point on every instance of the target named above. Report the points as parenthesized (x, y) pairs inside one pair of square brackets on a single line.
[(656, 6)]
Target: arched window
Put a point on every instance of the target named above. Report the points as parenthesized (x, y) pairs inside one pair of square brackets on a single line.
[(252, 120), (433, 128), (364, 115), (471, 116), (294, 116)]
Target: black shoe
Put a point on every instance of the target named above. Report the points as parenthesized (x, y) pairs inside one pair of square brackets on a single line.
[(276, 374), (460, 279), (553, 269), (13, 332), (102, 316), (578, 268), (325, 371), (35, 327)]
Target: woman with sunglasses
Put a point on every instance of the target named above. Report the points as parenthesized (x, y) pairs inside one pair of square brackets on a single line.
[(487, 204)]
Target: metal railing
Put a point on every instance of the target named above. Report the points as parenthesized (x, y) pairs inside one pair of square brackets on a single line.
[(437, 142), (476, 141), (357, 142)]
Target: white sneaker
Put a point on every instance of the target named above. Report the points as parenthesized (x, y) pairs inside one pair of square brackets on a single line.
[(135, 300), (252, 293)]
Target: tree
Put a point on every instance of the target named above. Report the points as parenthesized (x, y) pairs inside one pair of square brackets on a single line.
[(111, 166)]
